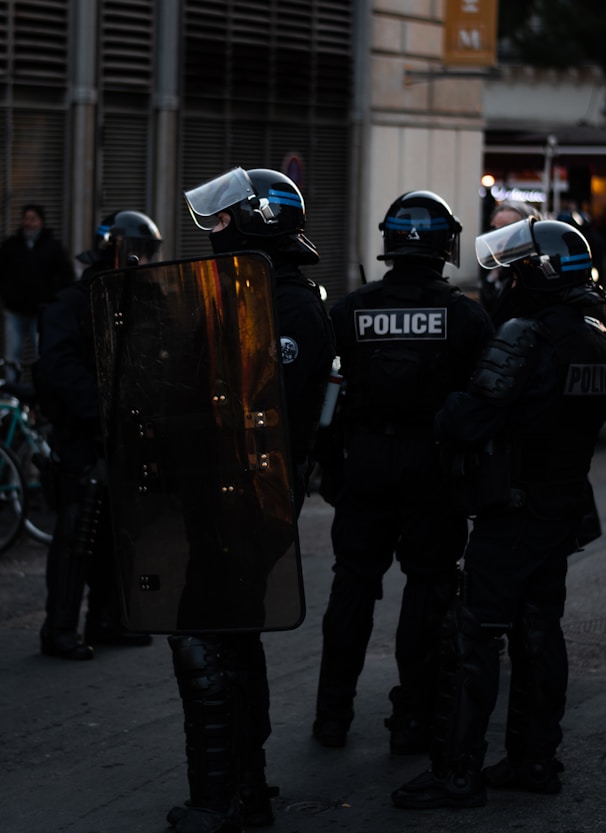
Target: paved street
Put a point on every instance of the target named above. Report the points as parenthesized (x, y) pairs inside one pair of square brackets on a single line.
[(98, 747)]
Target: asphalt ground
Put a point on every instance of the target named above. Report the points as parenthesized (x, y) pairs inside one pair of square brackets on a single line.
[(98, 747)]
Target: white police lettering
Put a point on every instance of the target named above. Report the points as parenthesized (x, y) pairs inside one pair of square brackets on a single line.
[(586, 380), (400, 324), (289, 348)]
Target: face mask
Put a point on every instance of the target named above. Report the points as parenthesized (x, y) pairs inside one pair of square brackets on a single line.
[(227, 240)]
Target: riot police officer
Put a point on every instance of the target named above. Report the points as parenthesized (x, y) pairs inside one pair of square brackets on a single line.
[(65, 376), (523, 434), (404, 342), (222, 677)]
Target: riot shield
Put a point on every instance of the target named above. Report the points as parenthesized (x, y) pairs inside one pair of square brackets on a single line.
[(196, 441)]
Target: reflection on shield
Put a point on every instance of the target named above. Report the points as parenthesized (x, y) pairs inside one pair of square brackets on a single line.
[(197, 446)]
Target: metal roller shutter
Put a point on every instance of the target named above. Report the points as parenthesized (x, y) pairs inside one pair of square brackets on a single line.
[(38, 158), (125, 163), (266, 81), (126, 77), (33, 113)]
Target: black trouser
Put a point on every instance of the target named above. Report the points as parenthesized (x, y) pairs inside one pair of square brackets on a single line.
[(388, 506), (78, 555), (515, 573)]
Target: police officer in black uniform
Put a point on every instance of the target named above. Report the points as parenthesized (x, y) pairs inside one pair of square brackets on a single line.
[(404, 342), (222, 677), (65, 376), (525, 430)]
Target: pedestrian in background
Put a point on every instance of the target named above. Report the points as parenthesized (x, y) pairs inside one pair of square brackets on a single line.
[(34, 265), (404, 342), (493, 280), (521, 437)]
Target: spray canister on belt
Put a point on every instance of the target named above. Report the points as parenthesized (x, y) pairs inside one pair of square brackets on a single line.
[(333, 386)]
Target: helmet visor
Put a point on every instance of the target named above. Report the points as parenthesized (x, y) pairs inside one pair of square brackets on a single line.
[(208, 199), (504, 245)]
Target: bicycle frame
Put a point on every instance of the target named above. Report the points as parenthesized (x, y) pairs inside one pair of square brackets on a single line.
[(18, 424)]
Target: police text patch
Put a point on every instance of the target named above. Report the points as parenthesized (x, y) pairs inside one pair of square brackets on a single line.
[(586, 380), (400, 324)]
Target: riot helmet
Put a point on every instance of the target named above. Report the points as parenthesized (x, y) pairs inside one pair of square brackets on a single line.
[(267, 213), (579, 219), (420, 224), (544, 255), (125, 238)]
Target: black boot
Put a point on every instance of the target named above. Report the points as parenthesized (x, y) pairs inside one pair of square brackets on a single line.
[(429, 791), (200, 820), (67, 645), (211, 706), (256, 795), (529, 776)]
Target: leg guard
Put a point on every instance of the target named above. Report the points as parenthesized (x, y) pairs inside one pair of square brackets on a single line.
[(467, 692), (537, 698), (211, 705), (539, 678)]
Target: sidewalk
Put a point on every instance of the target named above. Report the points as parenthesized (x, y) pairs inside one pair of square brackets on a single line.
[(97, 747)]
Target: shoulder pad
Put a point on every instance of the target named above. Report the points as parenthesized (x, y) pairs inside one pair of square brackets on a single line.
[(595, 323), (505, 367)]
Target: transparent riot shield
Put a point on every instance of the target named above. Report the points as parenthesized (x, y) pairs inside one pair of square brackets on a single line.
[(197, 446)]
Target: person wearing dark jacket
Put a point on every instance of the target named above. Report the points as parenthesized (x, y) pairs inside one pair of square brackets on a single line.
[(65, 376), (34, 265), (521, 437), (404, 342)]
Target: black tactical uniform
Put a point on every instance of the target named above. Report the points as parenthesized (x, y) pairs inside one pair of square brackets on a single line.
[(222, 677), (525, 431), (404, 343), (65, 375)]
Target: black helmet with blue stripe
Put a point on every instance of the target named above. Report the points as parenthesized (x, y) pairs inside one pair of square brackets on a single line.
[(267, 212), (122, 239), (420, 224), (544, 255)]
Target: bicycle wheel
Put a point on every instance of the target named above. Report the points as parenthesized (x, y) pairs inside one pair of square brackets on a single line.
[(13, 498), (33, 453)]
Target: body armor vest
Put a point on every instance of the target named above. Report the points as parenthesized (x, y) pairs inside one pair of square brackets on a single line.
[(556, 448), (401, 371)]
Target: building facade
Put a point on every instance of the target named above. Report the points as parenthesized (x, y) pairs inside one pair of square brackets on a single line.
[(106, 104)]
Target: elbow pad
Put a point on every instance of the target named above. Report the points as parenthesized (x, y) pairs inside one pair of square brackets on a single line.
[(506, 366)]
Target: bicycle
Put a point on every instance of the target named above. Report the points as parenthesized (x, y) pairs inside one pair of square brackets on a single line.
[(23, 443)]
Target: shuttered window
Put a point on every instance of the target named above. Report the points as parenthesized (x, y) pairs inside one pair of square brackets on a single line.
[(125, 163), (40, 41), (38, 159), (4, 38), (34, 50), (126, 50), (265, 80), (127, 44)]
